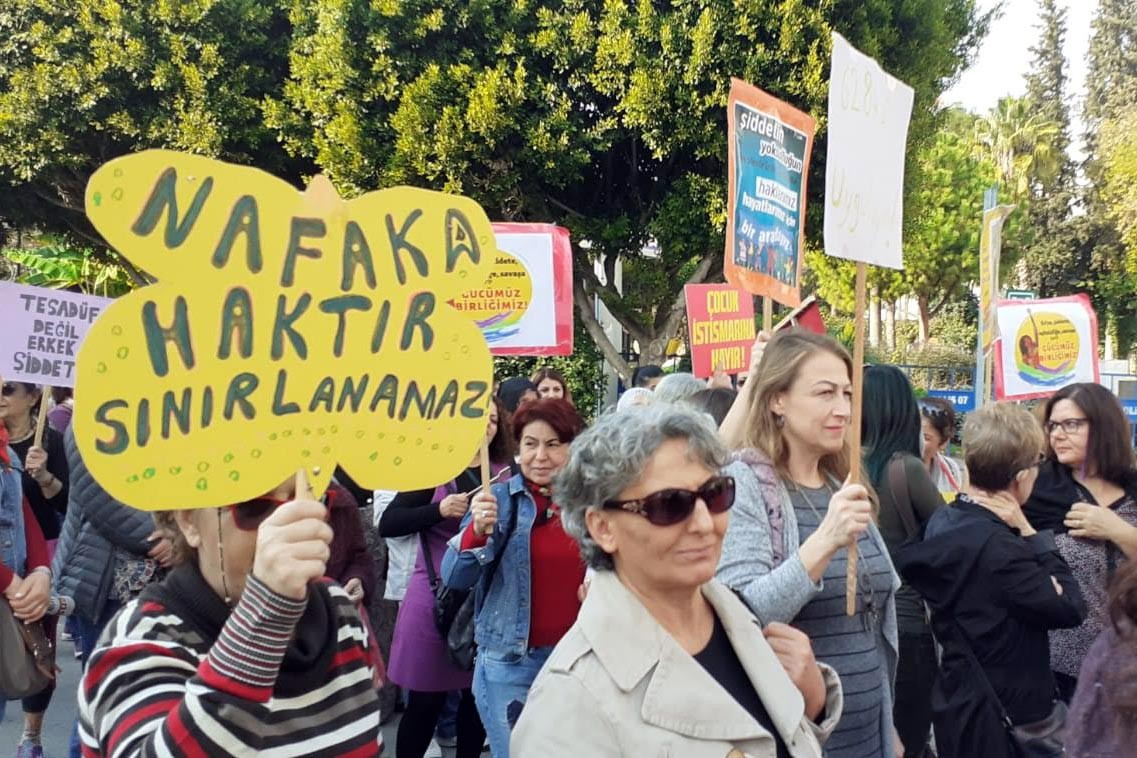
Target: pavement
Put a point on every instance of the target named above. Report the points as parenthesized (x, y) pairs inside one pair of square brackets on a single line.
[(61, 714)]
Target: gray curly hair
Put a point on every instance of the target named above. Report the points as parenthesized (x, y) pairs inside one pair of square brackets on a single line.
[(611, 455)]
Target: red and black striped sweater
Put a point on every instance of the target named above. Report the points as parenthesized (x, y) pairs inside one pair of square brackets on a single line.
[(175, 673)]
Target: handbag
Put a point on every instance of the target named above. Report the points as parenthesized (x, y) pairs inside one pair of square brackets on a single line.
[(27, 656), (1039, 739), (455, 611)]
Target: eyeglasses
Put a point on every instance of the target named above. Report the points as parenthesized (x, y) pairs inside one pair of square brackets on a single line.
[(671, 506), (1067, 425), (9, 389), (932, 411)]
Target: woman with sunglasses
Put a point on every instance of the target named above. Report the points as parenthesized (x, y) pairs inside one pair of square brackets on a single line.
[(242, 649), (664, 660), (996, 588), (526, 570), (794, 517), (44, 479), (419, 660), (1087, 494), (938, 420)]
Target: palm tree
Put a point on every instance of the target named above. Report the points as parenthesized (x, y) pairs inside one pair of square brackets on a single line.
[(1019, 144)]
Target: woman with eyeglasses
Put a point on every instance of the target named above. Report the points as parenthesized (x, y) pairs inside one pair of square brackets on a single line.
[(663, 659), (419, 660), (794, 517), (525, 570), (1087, 494), (938, 419), (996, 587), (243, 649), (44, 478)]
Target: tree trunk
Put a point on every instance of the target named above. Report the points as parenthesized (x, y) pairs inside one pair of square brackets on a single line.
[(890, 325), (874, 317), (925, 319), (584, 306)]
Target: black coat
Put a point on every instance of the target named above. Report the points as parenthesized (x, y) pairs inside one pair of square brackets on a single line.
[(979, 576)]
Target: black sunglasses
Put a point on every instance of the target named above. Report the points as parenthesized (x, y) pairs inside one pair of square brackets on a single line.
[(9, 389), (668, 507), (249, 515)]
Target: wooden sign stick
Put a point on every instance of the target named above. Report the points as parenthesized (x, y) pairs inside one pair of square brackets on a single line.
[(767, 313), (303, 489), (485, 466), (41, 421), (855, 429)]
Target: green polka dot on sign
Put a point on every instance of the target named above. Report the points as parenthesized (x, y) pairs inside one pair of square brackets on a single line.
[(202, 484)]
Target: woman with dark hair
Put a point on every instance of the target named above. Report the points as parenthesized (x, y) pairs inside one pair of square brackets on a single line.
[(44, 479), (527, 571), (551, 383), (1103, 713), (647, 376), (938, 418), (890, 434), (515, 391), (1087, 494), (419, 660)]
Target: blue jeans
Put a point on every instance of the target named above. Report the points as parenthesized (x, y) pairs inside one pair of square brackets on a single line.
[(501, 687), (86, 635)]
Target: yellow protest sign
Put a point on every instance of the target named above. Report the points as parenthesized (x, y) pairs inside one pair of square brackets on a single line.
[(286, 330)]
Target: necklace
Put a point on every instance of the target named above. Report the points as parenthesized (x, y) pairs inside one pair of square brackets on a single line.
[(871, 614)]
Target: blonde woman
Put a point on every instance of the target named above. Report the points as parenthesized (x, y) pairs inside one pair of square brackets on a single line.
[(794, 517)]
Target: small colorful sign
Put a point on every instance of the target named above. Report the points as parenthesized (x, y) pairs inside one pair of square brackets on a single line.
[(534, 264), (1045, 345), (769, 143), (43, 329), (499, 305), (720, 319), (286, 330), (864, 170)]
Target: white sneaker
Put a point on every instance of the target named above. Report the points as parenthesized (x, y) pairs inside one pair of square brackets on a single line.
[(433, 750)]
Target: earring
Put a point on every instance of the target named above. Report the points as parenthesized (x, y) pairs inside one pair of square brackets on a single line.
[(779, 420)]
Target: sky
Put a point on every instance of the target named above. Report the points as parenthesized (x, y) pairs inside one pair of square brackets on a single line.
[(1004, 58)]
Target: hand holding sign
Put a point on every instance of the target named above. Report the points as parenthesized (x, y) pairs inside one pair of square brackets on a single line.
[(287, 330)]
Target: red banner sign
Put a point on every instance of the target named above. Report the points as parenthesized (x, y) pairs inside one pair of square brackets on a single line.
[(721, 323)]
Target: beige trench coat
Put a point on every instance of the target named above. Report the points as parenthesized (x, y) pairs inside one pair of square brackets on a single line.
[(619, 685)]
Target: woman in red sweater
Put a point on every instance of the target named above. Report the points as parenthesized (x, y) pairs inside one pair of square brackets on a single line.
[(527, 570)]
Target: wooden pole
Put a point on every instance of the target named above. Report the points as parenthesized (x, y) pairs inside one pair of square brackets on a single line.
[(303, 489), (485, 466), (855, 430), (41, 421), (767, 313)]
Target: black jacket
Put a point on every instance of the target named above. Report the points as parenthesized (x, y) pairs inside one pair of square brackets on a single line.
[(979, 576)]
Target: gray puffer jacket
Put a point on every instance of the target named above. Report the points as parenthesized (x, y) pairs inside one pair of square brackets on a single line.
[(96, 523)]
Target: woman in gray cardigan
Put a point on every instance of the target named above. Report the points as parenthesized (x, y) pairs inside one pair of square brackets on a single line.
[(785, 550)]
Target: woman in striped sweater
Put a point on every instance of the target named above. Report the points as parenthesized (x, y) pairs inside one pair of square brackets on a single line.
[(243, 649)]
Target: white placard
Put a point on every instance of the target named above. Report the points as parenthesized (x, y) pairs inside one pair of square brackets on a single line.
[(1045, 345), (869, 112), (42, 331)]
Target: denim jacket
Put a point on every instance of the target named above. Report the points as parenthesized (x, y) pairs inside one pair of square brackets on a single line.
[(502, 622), (13, 546)]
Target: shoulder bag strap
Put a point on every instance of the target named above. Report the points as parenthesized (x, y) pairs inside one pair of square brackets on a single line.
[(898, 482), (429, 560), (985, 683)]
